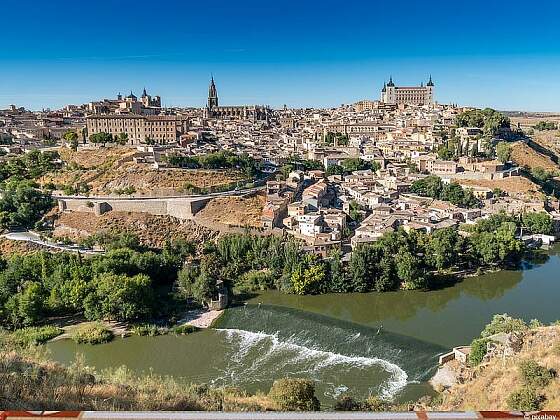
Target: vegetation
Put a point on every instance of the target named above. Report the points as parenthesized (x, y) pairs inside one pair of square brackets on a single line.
[(127, 283), (534, 375), (503, 151), (503, 323), (545, 125), (22, 204), (489, 120), (71, 139), (294, 395), (526, 399), (92, 334), (218, 160), (478, 351), (149, 330), (184, 329), (35, 335), (341, 139), (432, 186)]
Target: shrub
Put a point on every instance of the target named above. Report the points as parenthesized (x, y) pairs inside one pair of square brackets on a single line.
[(533, 374), (36, 335), (525, 399), (92, 334), (347, 403), (478, 351), (503, 323), (294, 395), (149, 330), (184, 329), (374, 403)]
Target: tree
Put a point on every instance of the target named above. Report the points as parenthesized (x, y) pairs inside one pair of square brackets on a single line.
[(309, 277), (71, 138), (120, 297), (479, 348), (503, 323), (443, 248), (355, 164), (409, 270), (540, 174), (503, 151), (22, 204), (538, 223), (122, 139), (101, 137), (26, 308), (294, 395), (534, 375)]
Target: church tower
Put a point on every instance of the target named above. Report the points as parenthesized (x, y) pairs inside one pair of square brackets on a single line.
[(212, 95)]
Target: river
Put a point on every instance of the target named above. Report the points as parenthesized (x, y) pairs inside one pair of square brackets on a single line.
[(379, 343)]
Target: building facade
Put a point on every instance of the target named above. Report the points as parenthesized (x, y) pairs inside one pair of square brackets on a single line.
[(237, 112), (410, 95), (159, 129)]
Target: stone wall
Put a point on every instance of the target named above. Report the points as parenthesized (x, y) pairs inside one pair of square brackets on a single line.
[(181, 208)]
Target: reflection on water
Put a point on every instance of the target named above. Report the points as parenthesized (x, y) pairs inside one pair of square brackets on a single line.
[(380, 343)]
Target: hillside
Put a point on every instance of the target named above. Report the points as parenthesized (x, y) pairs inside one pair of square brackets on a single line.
[(151, 230), (112, 170), (493, 383), (526, 156)]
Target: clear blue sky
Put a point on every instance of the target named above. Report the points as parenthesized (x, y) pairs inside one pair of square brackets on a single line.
[(504, 54)]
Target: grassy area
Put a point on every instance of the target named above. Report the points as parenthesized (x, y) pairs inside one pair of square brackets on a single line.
[(95, 333), (35, 335)]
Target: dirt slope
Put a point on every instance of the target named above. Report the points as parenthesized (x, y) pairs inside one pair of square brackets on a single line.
[(493, 384)]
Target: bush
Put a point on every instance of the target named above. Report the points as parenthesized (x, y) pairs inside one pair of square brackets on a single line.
[(149, 330), (503, 323), (184, 329), (374, 403), (36, 335), (533, 374), (92, 334), (347, 403), (294, 395), (525, 399), (478, 351)]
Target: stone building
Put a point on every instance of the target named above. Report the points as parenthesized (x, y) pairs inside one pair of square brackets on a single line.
[(410, 95), (161, 129), (236, 112)]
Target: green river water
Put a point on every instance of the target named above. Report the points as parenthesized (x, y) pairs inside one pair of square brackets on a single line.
[(379, 343)]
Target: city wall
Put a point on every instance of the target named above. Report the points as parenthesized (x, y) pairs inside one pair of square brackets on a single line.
[(181, 208)]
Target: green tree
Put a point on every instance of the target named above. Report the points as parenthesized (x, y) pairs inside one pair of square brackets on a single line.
[(120, 297), (71, 138), (538, 222), (122, 139), (292, 394), (503, 151), (503, 323)]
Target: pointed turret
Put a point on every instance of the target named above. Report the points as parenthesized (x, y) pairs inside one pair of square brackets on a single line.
[(390, 84), (212, 94), (384, 87), (430, 82), (144, 93)]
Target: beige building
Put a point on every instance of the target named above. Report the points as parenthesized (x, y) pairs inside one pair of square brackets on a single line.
[(410, 95), (160, 129)]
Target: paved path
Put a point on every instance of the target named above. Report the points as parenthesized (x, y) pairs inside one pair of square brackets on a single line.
[(36, 239)]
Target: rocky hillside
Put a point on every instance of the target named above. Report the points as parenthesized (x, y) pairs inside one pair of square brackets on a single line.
[(525, 380)]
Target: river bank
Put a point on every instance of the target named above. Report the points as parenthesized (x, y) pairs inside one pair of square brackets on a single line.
[(333, 339)]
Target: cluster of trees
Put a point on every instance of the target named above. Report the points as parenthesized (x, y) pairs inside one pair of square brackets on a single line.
[(124, 284), (31, 165), (22, 203), (545, 125), (218, 160), (247, 263), (104, 138), (341, 139), (490, 120), (503, 151), (432, 186), (352, 164)]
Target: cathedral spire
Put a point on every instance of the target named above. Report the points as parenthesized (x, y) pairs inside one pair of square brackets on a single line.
[(212, 94)]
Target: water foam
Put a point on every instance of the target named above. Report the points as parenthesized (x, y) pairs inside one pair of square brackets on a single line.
[(248, 340)]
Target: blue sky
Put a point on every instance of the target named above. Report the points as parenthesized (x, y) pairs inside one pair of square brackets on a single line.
[(503, 54)]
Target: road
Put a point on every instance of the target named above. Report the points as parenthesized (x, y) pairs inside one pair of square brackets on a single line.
[(36, 239)]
